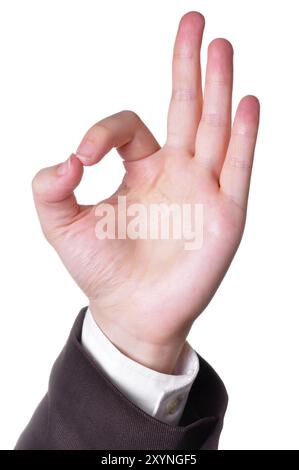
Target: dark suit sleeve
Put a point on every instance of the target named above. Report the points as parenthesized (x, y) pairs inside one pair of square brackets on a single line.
[(84, 410)]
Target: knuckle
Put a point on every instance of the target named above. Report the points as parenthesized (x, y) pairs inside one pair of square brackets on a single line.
[(239, 163), (181, 55), (214, 120), (127, 113), (184, 94)]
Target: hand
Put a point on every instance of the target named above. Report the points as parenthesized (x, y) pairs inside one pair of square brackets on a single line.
[(145, 294)]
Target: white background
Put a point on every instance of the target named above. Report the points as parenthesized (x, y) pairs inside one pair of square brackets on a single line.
[(65, 65)]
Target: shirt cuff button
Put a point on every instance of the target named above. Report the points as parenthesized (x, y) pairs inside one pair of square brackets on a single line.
[(172, 405)]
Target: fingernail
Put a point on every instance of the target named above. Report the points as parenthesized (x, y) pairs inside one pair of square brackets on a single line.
[(63, 168), (86, 150)]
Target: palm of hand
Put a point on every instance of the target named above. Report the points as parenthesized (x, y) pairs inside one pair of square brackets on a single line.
[(156, 278)]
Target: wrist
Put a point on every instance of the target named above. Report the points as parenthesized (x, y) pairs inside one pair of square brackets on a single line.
[(139, 344)]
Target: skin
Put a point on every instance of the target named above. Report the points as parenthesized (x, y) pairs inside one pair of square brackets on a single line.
[(145, 294)]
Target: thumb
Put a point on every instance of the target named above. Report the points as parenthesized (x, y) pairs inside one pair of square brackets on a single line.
[(53, 191)]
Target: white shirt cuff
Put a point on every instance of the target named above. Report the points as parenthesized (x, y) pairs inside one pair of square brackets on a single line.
[(160, 395)]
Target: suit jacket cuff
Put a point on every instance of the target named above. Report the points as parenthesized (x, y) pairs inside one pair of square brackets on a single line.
[(84, 410)]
